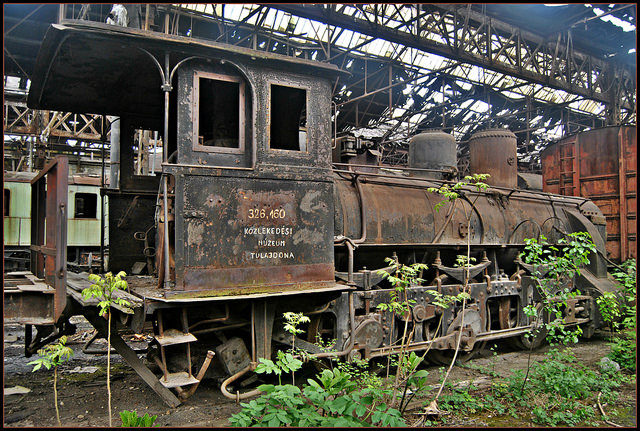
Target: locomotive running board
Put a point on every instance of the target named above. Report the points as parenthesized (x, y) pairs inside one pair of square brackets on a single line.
[(177, 296)]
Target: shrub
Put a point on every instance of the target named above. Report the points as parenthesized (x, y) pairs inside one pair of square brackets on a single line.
[(131, 419), (333, 400), (623, 350)]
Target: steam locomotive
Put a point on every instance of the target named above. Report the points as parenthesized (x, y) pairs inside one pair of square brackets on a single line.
[(258, 211)]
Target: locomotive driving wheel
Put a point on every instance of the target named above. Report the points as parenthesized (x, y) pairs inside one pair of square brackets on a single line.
[(536, 337), (473, 321)]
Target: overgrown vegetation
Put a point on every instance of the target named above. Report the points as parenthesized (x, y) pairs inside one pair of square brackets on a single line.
[(103, 290), (619, 312), (554, 270), (132, 420), (50, 357), (562, 392), (453, 194)]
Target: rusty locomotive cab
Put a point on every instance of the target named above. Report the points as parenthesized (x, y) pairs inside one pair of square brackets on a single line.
[(230, 191)]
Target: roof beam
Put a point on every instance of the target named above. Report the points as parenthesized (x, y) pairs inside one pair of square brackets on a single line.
[(534, 56)]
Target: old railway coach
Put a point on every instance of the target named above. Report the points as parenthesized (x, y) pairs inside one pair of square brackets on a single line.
[(251, 218), (83, 221)]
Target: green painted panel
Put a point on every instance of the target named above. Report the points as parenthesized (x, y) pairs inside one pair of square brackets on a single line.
[(80, 231), (20, 199), (83, 232), (17, 231)]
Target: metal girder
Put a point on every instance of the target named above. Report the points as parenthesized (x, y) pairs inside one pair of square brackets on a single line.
[(462, 34), (18, 119)]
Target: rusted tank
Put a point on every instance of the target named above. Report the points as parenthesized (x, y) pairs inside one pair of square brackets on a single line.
[(494, 152), (433, 150), (600, 165), (399, 213)]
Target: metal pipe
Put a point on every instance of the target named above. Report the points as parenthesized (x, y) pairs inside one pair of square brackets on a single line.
[(363, 221), (253, 331), (102, 139), (350, 247), (238, 396), (335, 125), (392, 167), (30, 159), (165, 199), (521, 194), (155, 145), (114, 153), (207, 361), (218, 319)]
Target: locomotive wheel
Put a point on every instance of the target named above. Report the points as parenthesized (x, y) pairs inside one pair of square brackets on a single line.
[(473, 320), (537, 336), (444, 357)]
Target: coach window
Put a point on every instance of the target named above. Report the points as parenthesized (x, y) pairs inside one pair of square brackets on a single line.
[(220, 102), (86, 205), (288, 128), (7, 199)]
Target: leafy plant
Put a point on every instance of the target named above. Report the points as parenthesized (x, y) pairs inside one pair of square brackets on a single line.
[(623, 346), (610, 310), (103, 289), (286, 362), (568, 384), (131, 420), (293, 320), (336, 398), (359, 370), (50, 357), (624, 350), (562, 392), (400, 304), (554, 270), (452, 193), (333, 399)]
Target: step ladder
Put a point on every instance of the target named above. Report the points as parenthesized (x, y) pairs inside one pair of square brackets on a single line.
[(569, 182), (171, 337)]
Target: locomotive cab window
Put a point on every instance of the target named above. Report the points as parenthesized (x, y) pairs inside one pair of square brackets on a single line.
[(5, 204), (86, 205), (220, 103), (288, 128)]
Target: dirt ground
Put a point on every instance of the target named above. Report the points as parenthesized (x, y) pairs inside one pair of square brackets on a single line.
[(83, 398)]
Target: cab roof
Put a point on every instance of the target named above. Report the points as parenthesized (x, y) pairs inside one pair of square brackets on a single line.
[(88, 67)]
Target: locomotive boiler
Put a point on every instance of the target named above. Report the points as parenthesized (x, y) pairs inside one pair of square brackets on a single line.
[(252, 218)]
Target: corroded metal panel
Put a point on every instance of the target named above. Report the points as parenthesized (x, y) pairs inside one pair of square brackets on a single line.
[(601, 165), (255, 219), (402, 212), (254, 234)]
